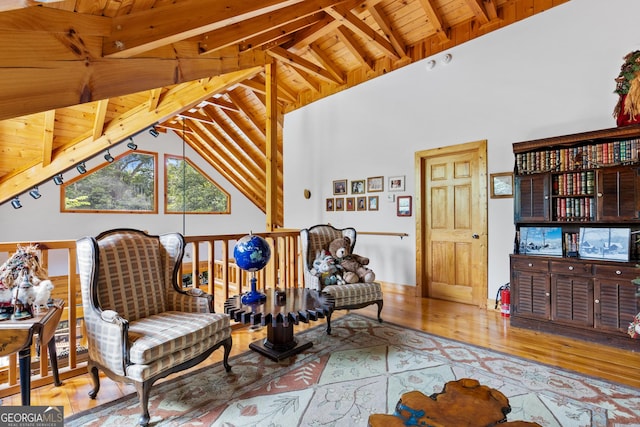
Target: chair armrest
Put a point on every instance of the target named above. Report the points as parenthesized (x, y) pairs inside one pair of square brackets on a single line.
[(193, 300), (311, 281), (103, 328)]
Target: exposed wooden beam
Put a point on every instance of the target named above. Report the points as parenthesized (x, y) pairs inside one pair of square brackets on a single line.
[(219, 102), (299, 62), (385, 24), (47, 137), (98, 120), (327, 63), (272, 141), (356, 50), (154, 98), (477, 7), (351, 21), (136, 33), (435, 20)]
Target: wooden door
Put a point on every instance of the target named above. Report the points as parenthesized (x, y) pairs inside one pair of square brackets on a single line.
[(452, 223)]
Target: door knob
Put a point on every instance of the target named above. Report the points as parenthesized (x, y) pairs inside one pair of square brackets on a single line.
[(475, 236)]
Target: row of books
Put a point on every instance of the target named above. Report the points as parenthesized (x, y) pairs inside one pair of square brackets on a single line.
[(574, 209), (576, 158), (574, 183)]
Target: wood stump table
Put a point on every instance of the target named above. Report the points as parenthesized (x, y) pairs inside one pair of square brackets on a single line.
[(279, 314), (462, 403)]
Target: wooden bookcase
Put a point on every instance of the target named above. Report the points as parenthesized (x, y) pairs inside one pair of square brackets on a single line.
[(567, 188)]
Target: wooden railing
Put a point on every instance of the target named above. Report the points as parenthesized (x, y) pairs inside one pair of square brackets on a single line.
[(203, 255)]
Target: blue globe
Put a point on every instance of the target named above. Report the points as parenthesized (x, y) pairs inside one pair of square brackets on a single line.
[(252, 253)]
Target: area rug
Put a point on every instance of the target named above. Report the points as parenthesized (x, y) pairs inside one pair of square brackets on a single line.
[(361, 369)]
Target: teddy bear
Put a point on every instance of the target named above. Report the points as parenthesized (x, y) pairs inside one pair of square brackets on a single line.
[(327, 270), (353, 264)]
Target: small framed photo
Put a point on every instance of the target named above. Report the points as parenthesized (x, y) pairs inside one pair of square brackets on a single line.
[(375, 184), (373, 203), (340, 186), (396, 183), (546, 241), (362, 203), (339, 203), (501, 185), (404, 205), (330, 203), (351, 203), (357, 186)]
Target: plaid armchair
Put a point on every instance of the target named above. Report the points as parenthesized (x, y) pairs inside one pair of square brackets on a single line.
[(140, 325), (348, 296)]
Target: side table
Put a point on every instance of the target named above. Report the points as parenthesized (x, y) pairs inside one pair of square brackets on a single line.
[(17, 336), (279, 315)]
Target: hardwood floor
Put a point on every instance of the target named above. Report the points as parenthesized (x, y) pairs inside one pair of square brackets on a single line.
[(460, 322)]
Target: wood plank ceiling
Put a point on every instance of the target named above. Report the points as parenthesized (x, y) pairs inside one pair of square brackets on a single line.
[(79, 76)]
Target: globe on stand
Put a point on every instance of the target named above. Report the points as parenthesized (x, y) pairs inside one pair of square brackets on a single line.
[(252, 253)]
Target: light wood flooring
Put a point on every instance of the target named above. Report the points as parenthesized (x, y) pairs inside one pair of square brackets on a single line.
[(470, 324)]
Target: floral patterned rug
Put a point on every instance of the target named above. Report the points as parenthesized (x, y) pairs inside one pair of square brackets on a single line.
[(363, 368)]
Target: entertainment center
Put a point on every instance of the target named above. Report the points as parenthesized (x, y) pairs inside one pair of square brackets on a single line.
[(577, 215)]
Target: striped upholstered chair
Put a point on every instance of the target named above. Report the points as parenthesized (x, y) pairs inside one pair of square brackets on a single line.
[(349, 296), (140, 325)]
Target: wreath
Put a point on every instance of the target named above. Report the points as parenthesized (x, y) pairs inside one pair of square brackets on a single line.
[(628, 89)]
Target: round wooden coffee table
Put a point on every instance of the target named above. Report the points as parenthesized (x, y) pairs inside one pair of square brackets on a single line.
[(279, 315)]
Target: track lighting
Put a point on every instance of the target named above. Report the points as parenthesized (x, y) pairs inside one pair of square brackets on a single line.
[(154, 132), (16, 203), (108, 157), (35, 193), (58, 180), (81, 168), (131, 145)]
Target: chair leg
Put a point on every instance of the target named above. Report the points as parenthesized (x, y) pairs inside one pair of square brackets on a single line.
[(329, 323), (227, 349), (379, 303), (143, 390), (95, 378)]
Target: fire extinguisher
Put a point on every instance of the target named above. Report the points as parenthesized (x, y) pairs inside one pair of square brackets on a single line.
[(504, 299)]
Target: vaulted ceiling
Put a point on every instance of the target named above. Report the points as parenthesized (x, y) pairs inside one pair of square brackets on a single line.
[(79, 76)]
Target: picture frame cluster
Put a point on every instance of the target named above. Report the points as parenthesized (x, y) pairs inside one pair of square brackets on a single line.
[(354, 195)]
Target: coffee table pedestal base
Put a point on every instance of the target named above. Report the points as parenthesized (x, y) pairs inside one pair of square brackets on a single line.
[(280, 343)]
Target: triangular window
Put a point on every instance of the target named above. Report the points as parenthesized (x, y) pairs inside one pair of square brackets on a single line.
[(190, 190)]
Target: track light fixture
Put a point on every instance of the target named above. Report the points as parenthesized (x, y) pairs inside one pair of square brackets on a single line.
[(132, 145), (35, 193), (16, 203), (108, 157), (154, 132), (58, 180), (81, 168)]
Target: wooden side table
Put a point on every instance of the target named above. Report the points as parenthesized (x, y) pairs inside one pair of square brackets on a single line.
[(17, 336)]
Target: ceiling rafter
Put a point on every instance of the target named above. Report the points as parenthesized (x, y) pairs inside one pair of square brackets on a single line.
[(300, 63), (478, 9), (353, 46), (98, 121), (326, 62), (387, 26), (436, 21)]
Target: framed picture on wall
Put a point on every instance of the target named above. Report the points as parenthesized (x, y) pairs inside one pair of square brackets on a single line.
[(340, 186), (351, 203), (361, 203), (404, 205), (339, 203), (396, 183), (375, 184), (330, 203), (357, 186), (501, 185), (373, 203)]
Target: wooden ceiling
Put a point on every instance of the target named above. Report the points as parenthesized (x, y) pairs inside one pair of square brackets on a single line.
[(78, 76)]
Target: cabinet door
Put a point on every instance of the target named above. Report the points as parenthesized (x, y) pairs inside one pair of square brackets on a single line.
[(530, 294), (531, 198), (572, 300), (617, 194), (616, 304)]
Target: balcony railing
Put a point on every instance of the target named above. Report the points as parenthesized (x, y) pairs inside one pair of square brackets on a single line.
[(208, 264)]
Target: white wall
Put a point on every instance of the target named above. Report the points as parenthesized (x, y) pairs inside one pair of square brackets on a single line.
[(549, 75), (41, 219)]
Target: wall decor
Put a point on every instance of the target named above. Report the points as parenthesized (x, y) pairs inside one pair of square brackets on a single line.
[(329, 204), (396, 183), (339, 203), (351, 203), (391, 198), (357, 186), (610, 244), (501, 185), (373, 203), (375, 184), (545, 241), (361, 203), (340, 186), (404, 205)]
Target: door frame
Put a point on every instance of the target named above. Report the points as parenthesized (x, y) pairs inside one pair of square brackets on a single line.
[(480, 293)]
